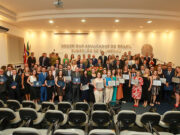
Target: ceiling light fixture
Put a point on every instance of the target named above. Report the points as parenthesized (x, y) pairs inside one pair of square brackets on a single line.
[(149, 21), (116, 20), (51, 21), (83, 20)]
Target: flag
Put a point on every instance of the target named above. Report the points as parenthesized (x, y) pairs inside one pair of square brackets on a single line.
[(25, 54), (28, 49)]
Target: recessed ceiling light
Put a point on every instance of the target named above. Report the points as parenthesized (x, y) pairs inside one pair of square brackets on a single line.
[(83, 20), (149, 21), (51, 21), (116, 20)]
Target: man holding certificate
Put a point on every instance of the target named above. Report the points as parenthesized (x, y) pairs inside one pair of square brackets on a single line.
[(76, 85), (109, 88), (98, 88)]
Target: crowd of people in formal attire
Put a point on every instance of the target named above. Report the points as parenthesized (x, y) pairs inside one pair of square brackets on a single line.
[(109, 79)]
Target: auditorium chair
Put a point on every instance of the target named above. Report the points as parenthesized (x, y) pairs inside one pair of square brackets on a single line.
[(30, 116), (8, 116), (69, 132), (124, 120), (65, 107), (101, 119), (134, 133), (148, 120), (78, 119), (47, 106), (100, 106), (2, 104), (28, 131), (31, 104), (171, 120), (102, 132), (55, 119), (14, 105), (82, 106)]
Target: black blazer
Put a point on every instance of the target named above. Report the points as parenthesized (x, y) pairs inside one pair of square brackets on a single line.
[(136, 67), (110, 67), (30, 61), (17, 80), (105, 59), (46, 62)]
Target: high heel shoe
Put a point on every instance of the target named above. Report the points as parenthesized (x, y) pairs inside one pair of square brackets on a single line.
[(176, 106)]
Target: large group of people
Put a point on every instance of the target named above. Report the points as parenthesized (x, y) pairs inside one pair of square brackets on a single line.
[(102, 79)]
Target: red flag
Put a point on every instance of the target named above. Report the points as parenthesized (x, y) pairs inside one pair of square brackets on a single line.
[(25, 54)]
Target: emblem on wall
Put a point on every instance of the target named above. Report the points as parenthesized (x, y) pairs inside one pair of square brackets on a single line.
[(147, 49)]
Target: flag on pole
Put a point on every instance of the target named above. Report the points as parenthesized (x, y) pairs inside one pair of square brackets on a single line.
[(25, 54), (28, 49)]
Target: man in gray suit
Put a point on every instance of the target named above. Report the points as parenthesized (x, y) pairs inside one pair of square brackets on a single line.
[(76, 85)]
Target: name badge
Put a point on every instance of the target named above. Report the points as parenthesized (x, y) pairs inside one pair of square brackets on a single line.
[(156, 83)]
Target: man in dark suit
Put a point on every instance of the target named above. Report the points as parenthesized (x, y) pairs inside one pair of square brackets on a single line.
[(136, 65), (31, 61), (14, 86), (44, 60), (117, 65), (94, 60), (76, 86), (103, 58), (3, 86), (108, 66), (168, 88), (57, 56), (90, 64), (122, 62), (81, 65), (56, 65), (68, 90)]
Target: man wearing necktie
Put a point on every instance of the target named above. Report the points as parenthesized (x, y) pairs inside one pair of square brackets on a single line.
[(103, 58), (43, 89), (168, 88), (76, 86), (14, 84)]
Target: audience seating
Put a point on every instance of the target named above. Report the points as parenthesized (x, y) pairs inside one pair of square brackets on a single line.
[(47, 106), (102, 132), (14, 105), (30, 116), (69, 132), (82, 106), (28, 131), (31, 104), (65, 107), (2, 104), (100, 106), (134, 133)]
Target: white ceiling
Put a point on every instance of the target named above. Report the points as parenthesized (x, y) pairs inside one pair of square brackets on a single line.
[(100, 14)]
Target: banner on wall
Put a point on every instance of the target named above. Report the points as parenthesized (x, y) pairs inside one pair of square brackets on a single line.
[(96, 48)]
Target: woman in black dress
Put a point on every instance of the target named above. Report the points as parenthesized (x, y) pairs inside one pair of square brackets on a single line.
[(85, 80), (161, 75), (50, 86), (25, 85), (91, 87), (146, 88), (60, 88), (126, 86)]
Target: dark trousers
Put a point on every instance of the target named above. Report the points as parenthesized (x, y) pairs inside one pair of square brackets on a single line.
[(68, 92), (76, 93), (14, 94), (167, 95)]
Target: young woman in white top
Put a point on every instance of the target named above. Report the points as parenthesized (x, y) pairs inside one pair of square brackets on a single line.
[(33, 90), (98, 92)]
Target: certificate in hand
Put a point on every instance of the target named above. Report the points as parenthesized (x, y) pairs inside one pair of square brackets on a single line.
[(67, 78), (99, 85), (3, 79), (13, 84), (111, 83), (117, 83), (85, 87), (104, 76), (176, 80), (76, 80), (37, 84), (134, 81), (163, 80), (92, 81), (125, 76), (50, 83), (156, 83), (61, 83), (121, 80)]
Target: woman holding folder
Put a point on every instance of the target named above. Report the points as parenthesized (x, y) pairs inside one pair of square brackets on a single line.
[(85, 80), (108, 89)]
